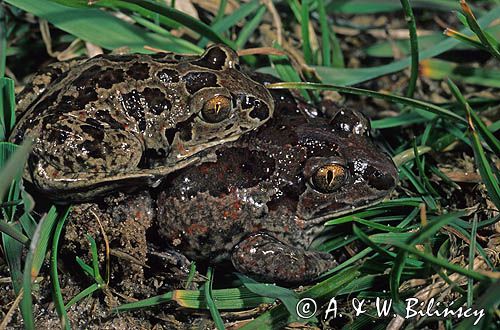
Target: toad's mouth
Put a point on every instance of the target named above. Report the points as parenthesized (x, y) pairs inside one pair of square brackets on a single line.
[(334, 211)]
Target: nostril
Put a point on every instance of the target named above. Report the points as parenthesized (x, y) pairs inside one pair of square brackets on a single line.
[(378, 179), (260, 110)]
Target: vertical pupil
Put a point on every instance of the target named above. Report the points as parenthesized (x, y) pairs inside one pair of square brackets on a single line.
[(329, 177)]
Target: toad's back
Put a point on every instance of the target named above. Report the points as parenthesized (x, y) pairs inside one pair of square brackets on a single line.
[(117, 120)]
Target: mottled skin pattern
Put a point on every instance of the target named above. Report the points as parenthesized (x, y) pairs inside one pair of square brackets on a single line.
[(258, 206), (120, 121)]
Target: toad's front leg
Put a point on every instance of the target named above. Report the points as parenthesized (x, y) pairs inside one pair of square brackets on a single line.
[(269, 259)]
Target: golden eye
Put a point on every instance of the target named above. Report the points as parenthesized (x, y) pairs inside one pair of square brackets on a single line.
[(328, 178), (216, 109)]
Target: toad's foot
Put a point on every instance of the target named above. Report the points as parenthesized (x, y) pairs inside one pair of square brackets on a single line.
[(266, 258)]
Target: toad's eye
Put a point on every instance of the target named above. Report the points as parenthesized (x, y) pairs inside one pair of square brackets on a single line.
[(329, 178), (216, 109)]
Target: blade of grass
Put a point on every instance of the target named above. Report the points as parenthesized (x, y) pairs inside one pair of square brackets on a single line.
[(489, 301), (56, 288), (249, 28), (404, 119), (33, 263), (220, 11), (486, 40), (11, 169), (186, 20), (399, 263), (441, 262), (470, 41), (412, 28), (304, 28), (278, 317), (219, 323), (365, 239), (82, 294), (288, 297), (386, 48), (364, 92), (191, 275), (16, 234), (225, 299), (97, 26), (482, 162), (421, 171), (325, 34), (439, 69), (183, 45), (7, 107), (86, 268), (472, 254), (355, 76), (95, 260), (3, 44), (373, 7), (229, 21)]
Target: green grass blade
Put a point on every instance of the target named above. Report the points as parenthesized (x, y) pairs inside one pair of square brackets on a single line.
[(225, 299), (354, 76), (412, 28), (325, 34), (472, 254), (395, 279), (7, 107), (33, 263), (230, 20), (467, 40), (441, 262), (13, 251), (10, 157), (44, 230), (219, 323), (13, 232), (27, 221), (488, 136), (3, 46), (95, 260), (486, 40), (421, 171), (404, 119), (304, 28), (365, 239), (54, 273), (249, 28), (439, 69), (288, 297), (489, 301), (364, 92), (278, 317), (10, 168), (86, 292), (386, 48), (380, 6), (86, 268), (97, 26), (286, 71), (482, 162), (169, 12), (220, 11), (178, 45), (153, 301)]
